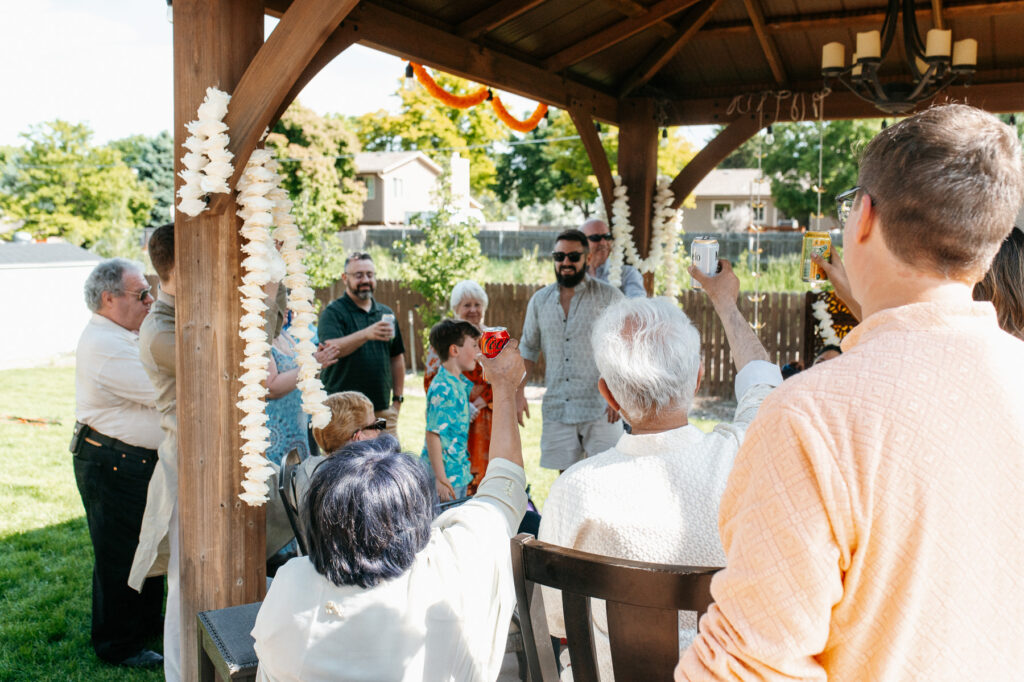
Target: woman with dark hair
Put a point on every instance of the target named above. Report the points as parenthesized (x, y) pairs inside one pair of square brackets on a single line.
[(1003, 284), (385, 593)]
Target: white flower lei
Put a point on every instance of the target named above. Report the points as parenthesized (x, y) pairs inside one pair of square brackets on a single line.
[(824, 327), (666, 227), (208, 161), (255, 183), (300, 302)]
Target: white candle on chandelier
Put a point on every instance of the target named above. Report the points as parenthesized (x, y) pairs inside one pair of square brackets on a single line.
[(965, 52), (922, 65), (869, 45), (857, 68), (833, 56), (938, 43)]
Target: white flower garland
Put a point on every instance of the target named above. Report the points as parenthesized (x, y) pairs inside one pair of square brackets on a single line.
[(208, 161), (666, 227), (300, 302), (253, 186), (824, 327)]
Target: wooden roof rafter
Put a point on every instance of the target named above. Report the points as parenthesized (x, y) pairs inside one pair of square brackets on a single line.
[(771, 52), (611, 36), (695, 19), (494, 16)]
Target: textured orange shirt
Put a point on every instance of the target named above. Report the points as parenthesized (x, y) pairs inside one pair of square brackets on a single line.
[(874, 520)]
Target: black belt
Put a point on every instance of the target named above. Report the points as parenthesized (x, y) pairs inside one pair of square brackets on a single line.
[(85, 433)]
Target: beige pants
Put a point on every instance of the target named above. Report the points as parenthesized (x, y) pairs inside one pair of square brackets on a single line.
[(391, 416)]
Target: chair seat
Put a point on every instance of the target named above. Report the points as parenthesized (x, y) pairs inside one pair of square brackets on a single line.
[(225, 645)]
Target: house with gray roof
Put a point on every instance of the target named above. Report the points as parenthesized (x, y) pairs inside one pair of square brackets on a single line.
[(401, 185)]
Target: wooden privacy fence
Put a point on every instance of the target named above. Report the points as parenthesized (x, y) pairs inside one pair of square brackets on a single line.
[(783, 318)]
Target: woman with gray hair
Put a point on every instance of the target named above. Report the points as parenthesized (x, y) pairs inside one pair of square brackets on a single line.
[(654, 496), (469, 303)]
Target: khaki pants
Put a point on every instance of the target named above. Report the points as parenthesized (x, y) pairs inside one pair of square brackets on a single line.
[(391, 416)]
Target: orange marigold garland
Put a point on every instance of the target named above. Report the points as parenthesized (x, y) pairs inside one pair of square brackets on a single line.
[(457, 101), (514, 123)]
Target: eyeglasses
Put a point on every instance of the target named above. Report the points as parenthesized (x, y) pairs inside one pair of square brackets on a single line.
[(143, 294), (573, 256), (378, 425), (596, 238), (845, 201)]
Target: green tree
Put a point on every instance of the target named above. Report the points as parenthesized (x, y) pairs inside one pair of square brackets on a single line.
[(153, 160), (790, 162), (448, 253), (426, 124), (315, 153), (555, 168), (63, 186)]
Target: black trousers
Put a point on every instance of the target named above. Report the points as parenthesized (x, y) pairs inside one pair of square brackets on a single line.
[(113, 482)]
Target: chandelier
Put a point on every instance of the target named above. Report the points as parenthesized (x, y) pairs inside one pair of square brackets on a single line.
[(932, 67)]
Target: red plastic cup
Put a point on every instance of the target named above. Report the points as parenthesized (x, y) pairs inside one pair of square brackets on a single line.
[(492, 340)]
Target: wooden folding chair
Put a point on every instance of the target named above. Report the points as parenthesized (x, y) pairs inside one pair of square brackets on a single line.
[(642, 600), (289, 497)]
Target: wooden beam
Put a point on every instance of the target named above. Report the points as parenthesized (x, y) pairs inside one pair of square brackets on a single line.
[(267, 81), (494, 16), (771, 52), (638, 166), (615, 34), (724, 144), (595, 152), (222, 545), (860, 18), (396, 34), (937, 14), (657, 59), (629, 8), (999, 97)]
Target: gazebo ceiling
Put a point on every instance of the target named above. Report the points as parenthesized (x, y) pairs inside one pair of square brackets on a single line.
[(692, 56)]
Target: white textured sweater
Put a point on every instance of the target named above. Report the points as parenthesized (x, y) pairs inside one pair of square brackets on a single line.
[(653, 497)]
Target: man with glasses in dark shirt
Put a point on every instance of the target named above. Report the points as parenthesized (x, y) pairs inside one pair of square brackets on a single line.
[(600, 238), (369, 343)]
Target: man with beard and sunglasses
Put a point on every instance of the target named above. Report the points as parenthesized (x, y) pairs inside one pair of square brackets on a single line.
[(600, 238), (372, 356), (578, 422)]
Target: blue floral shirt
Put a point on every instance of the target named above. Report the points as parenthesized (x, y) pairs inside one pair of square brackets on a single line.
[(448, 417)]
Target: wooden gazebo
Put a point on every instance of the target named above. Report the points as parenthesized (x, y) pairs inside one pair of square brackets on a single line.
[(638, 64)]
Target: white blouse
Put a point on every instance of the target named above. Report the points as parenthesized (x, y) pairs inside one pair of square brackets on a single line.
[(446, 618)]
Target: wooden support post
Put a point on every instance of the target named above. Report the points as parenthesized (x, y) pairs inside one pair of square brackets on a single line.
[(724, 144), (638, 166), (595, 152), (221, 539)]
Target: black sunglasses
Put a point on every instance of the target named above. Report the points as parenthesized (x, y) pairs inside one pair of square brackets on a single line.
[(573, 256), (595, 238), (143, 295), (378, 425)]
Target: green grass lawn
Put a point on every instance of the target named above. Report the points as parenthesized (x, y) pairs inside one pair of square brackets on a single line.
[(45, 554)]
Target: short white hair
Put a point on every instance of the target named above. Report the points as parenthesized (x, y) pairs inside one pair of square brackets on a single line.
[(648, 352), (467, 288)]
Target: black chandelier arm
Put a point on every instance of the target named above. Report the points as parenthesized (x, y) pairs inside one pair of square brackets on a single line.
[(892, 14), (912, 42)]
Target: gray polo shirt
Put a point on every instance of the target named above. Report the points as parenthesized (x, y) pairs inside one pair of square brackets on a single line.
[(570, 373)]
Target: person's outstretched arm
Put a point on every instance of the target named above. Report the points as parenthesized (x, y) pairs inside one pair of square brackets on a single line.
[(836, 273), (505, 372), (723, 289)]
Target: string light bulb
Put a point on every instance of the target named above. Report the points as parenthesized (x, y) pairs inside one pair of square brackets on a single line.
[(769, 135), (410, 77)]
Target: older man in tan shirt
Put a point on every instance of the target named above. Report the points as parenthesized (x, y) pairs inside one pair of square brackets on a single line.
[(872, 520)]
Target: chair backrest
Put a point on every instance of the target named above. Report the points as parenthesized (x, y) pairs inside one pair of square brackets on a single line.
[(289, 497), (642, 600)]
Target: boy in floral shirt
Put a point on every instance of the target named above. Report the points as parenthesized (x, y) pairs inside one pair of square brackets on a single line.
[(448, 409)]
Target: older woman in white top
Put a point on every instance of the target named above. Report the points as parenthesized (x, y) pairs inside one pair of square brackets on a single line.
[(654, 496), (387, 594)]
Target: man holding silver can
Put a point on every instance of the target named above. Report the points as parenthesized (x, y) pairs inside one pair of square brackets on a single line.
[(369, 343)]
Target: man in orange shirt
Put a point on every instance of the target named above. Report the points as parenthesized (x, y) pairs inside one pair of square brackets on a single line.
[(872, 520)]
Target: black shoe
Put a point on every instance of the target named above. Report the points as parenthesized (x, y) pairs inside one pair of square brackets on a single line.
[(146, 658)]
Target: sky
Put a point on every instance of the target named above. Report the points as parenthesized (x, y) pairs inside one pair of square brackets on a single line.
[(108, 63)]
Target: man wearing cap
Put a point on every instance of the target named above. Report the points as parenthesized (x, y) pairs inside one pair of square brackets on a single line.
[(115, 450)]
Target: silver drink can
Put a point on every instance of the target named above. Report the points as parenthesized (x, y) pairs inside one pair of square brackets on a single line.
[(390, 319), (704, 254)]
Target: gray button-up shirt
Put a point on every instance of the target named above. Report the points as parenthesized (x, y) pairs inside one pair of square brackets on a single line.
[(570, 373), (632, 281)]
